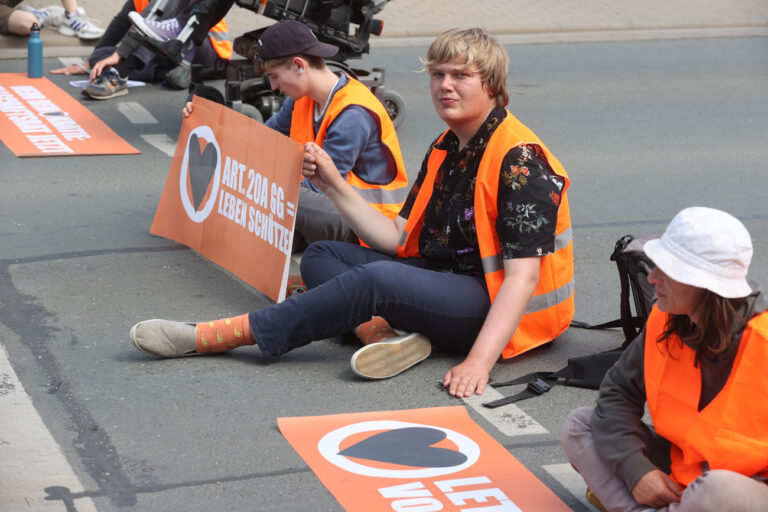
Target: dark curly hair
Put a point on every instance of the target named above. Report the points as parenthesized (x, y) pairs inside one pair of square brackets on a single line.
[(713, 336)]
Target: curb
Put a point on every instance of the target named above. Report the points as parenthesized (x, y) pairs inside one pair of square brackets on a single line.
[(425, 37)]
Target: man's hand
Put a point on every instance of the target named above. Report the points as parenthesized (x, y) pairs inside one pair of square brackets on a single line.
[(103, 64), (318, 167), (466, 378), (656, 489), (72, 69), (187, 111)]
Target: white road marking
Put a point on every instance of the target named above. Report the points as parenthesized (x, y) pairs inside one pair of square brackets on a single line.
[(571, 480), (161, 142), (136, 113), (509, 419), (68, 61), (30, 459)]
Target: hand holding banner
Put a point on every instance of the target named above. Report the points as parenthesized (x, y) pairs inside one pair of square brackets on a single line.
[(231, 195)]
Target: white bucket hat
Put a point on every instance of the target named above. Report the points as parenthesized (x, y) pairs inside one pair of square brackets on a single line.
[(706, 248)]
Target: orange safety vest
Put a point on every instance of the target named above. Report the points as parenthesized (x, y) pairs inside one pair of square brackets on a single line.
[(550, 309), (731, 432), (218, 35), (387, 198)]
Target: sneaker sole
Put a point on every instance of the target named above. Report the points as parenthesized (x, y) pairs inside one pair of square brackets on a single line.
[(389, 358), (113, 95), (138, 23), (133, 340)]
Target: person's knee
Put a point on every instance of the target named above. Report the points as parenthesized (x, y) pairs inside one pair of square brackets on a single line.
[(577, 424), (20, 22), (379, 276), (718, 489)]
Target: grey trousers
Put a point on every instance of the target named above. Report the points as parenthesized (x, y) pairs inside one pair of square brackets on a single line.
[(317, 219), (715, 491)]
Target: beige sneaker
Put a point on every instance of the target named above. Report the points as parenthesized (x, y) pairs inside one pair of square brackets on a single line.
[(165, 338), (390, 357)]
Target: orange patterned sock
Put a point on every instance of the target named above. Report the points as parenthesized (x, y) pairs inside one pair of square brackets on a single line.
[(374, 330), (295, 286), (224, 334)]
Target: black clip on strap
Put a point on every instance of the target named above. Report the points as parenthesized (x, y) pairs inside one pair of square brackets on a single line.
[(534, 388)]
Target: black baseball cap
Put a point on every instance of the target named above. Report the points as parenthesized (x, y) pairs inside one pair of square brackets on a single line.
[(289, 37)]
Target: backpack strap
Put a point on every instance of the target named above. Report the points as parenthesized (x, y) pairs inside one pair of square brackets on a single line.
[(582, 372), (537, 383)]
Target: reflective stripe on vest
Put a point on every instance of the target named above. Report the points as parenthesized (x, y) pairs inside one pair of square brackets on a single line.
[(550, 310), (731, 432), (219, 38), (388, 198)]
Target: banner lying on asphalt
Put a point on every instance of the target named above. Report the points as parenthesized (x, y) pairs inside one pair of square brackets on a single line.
[(417, 460), (231, 195), (39, 119)]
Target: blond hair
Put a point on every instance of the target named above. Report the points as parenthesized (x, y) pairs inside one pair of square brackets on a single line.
[(475, 47)]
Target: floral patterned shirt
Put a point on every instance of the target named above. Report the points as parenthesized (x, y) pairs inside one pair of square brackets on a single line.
[(528, 201)]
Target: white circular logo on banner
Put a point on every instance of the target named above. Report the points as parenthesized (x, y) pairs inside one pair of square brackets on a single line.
[(202, 169), (398, 442)]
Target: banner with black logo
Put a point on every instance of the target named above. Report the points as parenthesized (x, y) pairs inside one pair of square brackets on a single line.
[(416, 460), (231, 195)]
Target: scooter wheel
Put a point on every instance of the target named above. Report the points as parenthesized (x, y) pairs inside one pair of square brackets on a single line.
[(252, 112), (209, 93), (395, 106)]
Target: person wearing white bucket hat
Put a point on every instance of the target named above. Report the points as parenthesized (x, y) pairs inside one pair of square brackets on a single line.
[(700, 366)]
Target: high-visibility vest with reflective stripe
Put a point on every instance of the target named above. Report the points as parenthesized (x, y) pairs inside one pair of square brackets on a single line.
[(218, 35), (731, 432), (388, 198), (550, 309)]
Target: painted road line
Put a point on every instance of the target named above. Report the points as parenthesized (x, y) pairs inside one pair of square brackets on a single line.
[(509, 419), (68, 61), (136, 113), (30, 459), (161, 142), (571, 480)]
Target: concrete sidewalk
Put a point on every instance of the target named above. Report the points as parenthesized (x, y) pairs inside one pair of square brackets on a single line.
[(408, 21)]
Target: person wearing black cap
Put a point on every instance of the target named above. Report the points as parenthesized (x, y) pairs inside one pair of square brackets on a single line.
[(342, 116)]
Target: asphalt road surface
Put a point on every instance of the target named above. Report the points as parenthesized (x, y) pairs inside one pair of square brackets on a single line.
[(643, 128)]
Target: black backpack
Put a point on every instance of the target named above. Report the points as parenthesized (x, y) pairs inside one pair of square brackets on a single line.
[(636, 299)]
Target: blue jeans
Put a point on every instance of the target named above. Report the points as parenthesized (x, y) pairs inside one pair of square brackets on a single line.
[(348, 284)]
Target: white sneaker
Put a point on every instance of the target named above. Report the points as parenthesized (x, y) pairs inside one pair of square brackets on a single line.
[(51, 16), (385, 359), (79, 25)]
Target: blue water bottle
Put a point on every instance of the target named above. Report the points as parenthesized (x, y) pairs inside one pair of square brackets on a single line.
[(35, 53)]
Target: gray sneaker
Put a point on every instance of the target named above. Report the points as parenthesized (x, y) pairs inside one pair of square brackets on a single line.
[(388, 358), (179, 77), (108, 85), (165, 338)]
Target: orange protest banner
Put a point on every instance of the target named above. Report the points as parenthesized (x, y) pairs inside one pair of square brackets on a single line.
[(39, 119), (231, 195), (416, 460)]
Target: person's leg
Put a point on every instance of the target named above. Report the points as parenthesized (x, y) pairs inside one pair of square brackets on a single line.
[(76, 23), (719, 490), (447, 308), (14, 21), (318, 219), (579, 446)]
